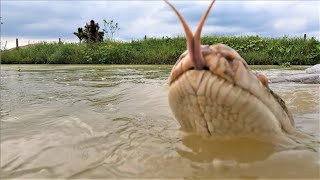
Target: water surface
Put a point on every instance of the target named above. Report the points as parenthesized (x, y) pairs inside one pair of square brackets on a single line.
[(115, 122)]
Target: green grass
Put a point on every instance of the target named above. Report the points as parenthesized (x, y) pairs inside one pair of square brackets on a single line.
[(255, 50)]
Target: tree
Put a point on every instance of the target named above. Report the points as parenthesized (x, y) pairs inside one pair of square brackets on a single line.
[(110, 28), (90, 33), (80, 34)]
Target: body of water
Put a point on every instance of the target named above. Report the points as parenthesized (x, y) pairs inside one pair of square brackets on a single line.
[(115, 122)]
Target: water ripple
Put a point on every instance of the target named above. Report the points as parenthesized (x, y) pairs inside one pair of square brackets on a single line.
[(115, 122)]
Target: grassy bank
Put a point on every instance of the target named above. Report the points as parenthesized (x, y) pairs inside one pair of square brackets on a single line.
[(255, 50)]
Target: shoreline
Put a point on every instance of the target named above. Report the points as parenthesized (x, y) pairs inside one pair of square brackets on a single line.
[(108, 66)]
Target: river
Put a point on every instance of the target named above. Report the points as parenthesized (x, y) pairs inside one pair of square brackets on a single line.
[(76, 121)]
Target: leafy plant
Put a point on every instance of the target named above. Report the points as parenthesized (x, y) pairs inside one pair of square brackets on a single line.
[(90, 33), (110, 28), (81, 34)]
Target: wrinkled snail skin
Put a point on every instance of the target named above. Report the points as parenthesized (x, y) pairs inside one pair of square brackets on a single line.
[(221, 96)]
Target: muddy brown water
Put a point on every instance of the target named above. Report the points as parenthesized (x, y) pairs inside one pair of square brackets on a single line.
[(115, 122)]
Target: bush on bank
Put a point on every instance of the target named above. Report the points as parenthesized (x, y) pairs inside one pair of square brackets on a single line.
[(255, 50)]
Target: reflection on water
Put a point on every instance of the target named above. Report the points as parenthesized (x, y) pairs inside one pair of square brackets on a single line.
[(240, 150), (115, 122)]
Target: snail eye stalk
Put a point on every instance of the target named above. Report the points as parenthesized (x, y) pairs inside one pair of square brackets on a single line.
[(193, 41)]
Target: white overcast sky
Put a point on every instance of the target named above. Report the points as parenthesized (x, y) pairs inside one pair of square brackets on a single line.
[(32, 21)]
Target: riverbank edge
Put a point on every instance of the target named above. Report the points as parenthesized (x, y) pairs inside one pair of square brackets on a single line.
[(143, 66)]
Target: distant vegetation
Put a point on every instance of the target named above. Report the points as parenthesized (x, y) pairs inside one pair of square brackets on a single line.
[(90, 33), (110, 27), (255, 50)]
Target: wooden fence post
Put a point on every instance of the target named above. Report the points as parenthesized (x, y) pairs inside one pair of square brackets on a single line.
[(17, 43)]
